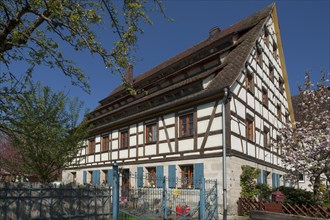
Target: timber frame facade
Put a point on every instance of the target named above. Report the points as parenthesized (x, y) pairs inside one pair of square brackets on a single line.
[(231, 88)]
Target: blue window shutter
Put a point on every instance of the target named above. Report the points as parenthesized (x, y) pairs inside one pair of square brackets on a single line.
[(140, 176), (265, 174), (171, 176), (284, 181), (198, 174), (84, 177), (93, 177), (98, 177), (273, 180), (278, 180), (110, 176), (259, 180), (159, 176)]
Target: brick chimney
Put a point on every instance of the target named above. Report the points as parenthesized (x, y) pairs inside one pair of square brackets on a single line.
[(214, 31)]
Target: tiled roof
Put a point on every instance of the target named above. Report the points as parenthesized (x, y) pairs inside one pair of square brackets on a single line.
[(225, 73)]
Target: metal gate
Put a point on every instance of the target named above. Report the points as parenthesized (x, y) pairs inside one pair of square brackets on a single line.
[(150, 197)]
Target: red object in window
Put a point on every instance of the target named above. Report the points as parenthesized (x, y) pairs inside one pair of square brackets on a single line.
[(178, 210), (187, 210)]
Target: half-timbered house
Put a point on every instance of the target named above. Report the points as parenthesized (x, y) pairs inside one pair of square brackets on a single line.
[(203, 113)]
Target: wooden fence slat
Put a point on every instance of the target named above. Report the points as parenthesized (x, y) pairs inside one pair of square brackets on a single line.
[(246, 205)]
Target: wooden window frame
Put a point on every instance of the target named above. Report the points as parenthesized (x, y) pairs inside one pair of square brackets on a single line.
[(91, 146), (281, 85), (151, 133), (265, 97), (249, 81), (250, 128), (266, 37), (105, 143), (271, 70), (186, 125), (279, 112), (152, 176), (275, 54), (259, 55), (105, 176), (187, 176), (124, 139), (266, 137)]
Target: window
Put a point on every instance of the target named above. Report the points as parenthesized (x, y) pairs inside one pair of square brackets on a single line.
[(186, 126), (279, 114), (266, 38), (105, 177), (151, 133), (249, 82), (281, 85), (91, 146), (151, 176), (301, 177), (74, 177), (259, 55), (124, 139), (287, 117), (265, 97), (90, 174), (249, 129), (105, 143), (187, 174), (271, 72), (275, 51), (266, 137)]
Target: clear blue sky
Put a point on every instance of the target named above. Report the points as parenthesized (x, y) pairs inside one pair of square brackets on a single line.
[(304, 26)]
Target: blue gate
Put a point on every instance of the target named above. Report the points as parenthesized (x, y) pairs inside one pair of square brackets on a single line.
[(163, 198)]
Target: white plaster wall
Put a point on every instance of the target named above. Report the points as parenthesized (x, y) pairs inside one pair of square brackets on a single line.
[(187, 144), (169, 119), (205, 110), (164, 148), (150, 150)]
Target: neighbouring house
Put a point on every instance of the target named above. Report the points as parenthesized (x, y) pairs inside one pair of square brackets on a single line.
[(229, 91)]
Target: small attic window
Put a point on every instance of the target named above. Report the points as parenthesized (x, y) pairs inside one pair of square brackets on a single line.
[(275, 51), (271, 72), (259, 55), (266, 36), (249, 82)]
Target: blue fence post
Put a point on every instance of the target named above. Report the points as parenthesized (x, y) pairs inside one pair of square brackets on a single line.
[(164, 199), (216, 200), (115, 193), (202, 200)]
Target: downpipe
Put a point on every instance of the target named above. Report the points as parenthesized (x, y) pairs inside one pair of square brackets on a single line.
[(224, 154)]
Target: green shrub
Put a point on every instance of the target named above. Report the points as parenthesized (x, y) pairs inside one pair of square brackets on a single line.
[(265, 192), (297, 196), (248, 182)]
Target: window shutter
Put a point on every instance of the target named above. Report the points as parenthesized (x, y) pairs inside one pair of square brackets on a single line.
[(265, 174), (171, 176), (84, 177), (259, 180), (198, 174), (110, 177), (93, 177), (273, 180), (96, 177), (140, 176), (278, 180), (159, 176)]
